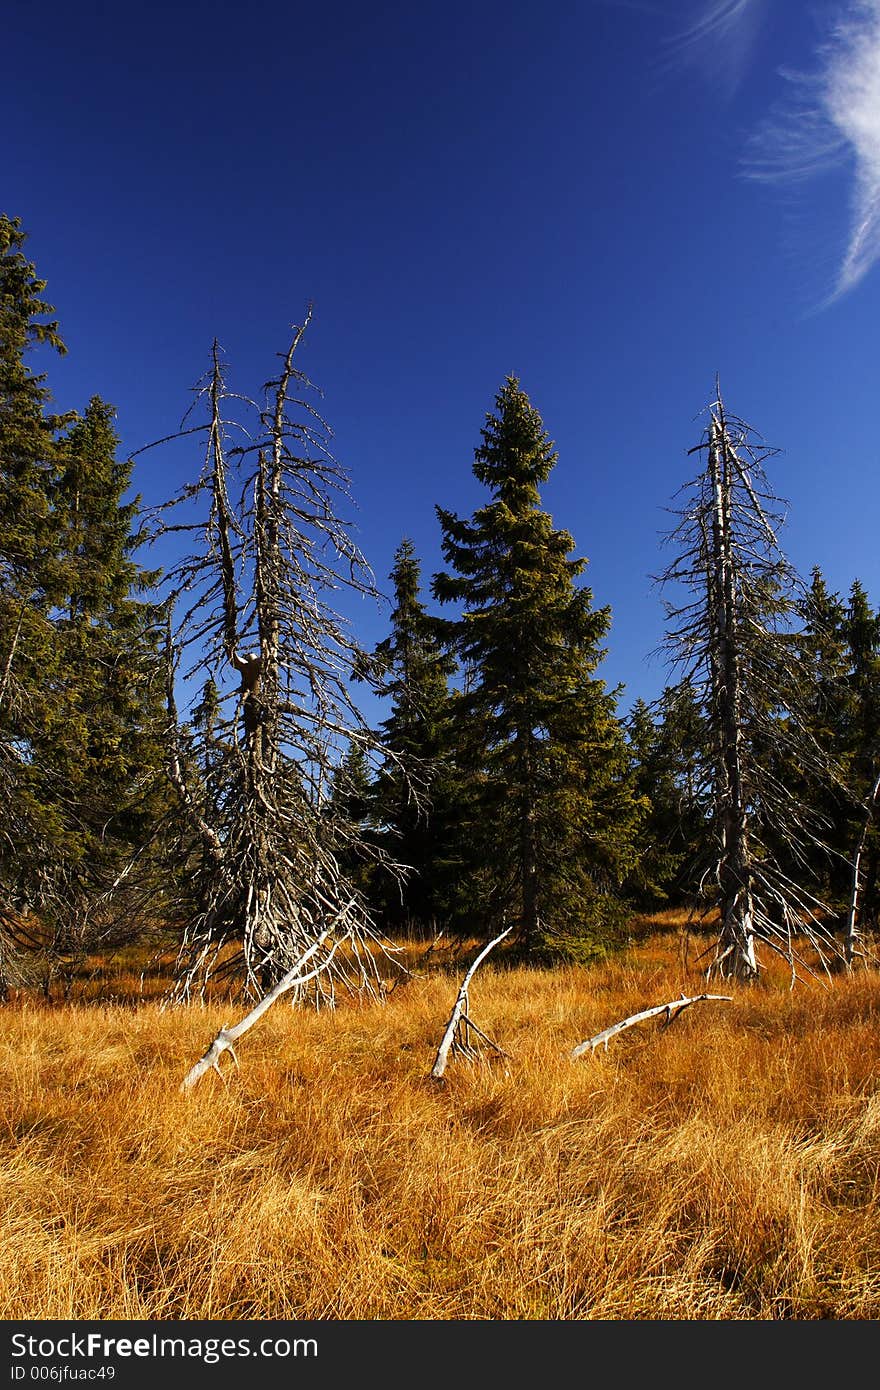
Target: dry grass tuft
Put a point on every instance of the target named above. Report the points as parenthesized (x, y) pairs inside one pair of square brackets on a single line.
[(727, 1167)]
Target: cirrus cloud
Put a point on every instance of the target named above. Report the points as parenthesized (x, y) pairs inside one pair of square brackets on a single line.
[(829, 119)]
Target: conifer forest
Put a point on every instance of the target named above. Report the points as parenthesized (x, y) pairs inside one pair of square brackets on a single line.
[(462, 929)]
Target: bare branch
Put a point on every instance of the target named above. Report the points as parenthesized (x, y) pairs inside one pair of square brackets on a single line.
[(451, 1040), (295, 977), (671, 1010)]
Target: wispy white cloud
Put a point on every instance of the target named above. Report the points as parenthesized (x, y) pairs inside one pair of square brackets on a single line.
[(718, 37), (830, 119)]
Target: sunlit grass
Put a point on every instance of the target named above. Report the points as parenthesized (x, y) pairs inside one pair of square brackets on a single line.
[(725, 1167)]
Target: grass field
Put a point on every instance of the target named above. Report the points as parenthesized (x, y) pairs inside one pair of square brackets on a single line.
[(725, 1167)]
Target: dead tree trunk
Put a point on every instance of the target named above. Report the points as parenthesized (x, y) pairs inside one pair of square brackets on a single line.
[(736, 643), (736, 946), (852, 932), (455, 1037), (296, 977), (671, 1010), (256, 621)]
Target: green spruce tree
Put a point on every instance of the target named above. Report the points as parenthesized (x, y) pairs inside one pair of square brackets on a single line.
[(29, 661), (555, 833), (862, 631), (665, 741), (418, 808), (101, 743), (79, 742)]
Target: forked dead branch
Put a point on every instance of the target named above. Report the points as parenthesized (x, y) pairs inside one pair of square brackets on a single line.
[(296, 977), (456, 1037)]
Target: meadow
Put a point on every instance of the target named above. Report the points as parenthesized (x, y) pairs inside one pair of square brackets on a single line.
[(724, 1167)]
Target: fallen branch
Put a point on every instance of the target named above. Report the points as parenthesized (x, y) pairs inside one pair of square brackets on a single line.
[(672, 1011), (455, 1038), (227, 1036)]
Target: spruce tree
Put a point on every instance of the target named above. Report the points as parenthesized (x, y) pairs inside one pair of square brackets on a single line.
[(417, 809), (823, 652), (557, 812), (29, 663), (862, 631), (840, 645), (665, 742), (78, 742), (101, 744)]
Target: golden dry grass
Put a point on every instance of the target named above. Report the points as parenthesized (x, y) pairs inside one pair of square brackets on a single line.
[(728, 1167)]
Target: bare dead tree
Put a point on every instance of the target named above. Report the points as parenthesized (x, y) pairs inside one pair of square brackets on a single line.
[(671, 1011), (460, 1027), (733, 641), (853, 930), (249, 616)]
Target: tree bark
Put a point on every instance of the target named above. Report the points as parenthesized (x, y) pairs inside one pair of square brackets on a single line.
[(736, 953)]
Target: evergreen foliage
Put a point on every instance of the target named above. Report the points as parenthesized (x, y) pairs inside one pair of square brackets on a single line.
[(841, 643), (418, 810), (503, 780), (28, 535), (554, 811), (665, 743), (102, 739), (78, 701)]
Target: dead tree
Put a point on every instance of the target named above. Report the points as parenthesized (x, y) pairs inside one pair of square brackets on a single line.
[(734, 642), (298, 975), (251, 625), (671, 1010), (853, 929), (456, 1035)]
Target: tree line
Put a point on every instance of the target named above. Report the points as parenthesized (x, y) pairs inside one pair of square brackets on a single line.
[(269, 824)]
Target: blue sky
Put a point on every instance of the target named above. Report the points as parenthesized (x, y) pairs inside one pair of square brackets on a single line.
[(612, 199)]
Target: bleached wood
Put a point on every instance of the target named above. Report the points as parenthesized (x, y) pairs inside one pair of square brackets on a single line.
[(852, 933), (672, 1010), (459, 1012), (228, 1035)]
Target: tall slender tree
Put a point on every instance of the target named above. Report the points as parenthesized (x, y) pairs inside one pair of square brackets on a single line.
[(557, 809), (735, 640), (28, 659), (862, 631), (101, 745)]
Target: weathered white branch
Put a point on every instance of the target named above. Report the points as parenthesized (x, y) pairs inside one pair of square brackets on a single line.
[(459, 1013), (227, 1036), (851, 933), (7, 669), (672, 1011)]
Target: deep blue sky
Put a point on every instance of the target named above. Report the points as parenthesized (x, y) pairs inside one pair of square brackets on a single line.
[(599, 197)]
